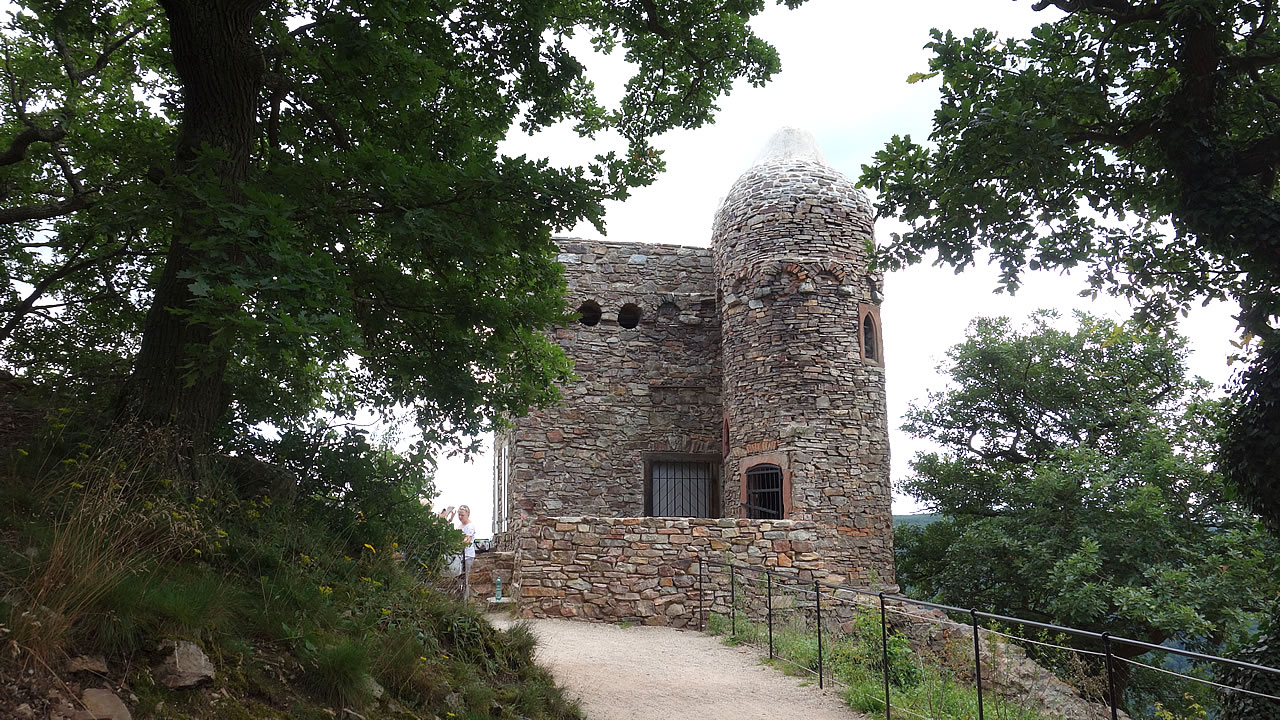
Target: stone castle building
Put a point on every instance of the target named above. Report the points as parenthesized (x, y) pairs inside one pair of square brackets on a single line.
[(741, 383)]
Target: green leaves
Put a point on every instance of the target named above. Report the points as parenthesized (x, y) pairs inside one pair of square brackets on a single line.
[(1078, 485), (359, 241), (1099, 142), (916, 77)]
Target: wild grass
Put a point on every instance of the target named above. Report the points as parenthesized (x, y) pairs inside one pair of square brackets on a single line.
[(855, 661), (302, 610), (87, 533), (339, 673)]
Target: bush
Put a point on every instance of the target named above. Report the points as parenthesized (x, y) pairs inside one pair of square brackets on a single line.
[(864, 648), (362, 492)]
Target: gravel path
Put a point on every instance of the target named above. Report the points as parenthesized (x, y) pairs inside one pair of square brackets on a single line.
[(656, 672)]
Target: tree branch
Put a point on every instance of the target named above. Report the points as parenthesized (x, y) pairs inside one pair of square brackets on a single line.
[(27, 306), (73, 178), (280, 83), (1126, 138), (1259, 156), (1115, 9), (18, 148), (100, 63), (24, 213)]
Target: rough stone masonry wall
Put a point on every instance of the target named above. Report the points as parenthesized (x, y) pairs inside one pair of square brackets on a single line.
[(645, 569), (651, 389), (791, 254), (486, 569)]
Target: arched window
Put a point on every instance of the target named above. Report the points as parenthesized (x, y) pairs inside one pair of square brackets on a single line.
[(589, 313), (629, 315), (764, 492), (870, 348), (871, 341)]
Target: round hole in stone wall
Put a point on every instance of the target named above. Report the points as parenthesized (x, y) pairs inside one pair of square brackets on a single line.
[(589, 313), (629, 315)]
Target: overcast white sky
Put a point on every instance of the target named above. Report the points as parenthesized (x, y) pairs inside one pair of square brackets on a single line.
[(844, 79)]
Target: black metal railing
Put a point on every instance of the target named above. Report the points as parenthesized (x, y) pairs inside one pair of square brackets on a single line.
[(754, 595)]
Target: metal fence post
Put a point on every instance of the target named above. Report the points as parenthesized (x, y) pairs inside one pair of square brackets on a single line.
[(1111, 677), (733, 602), (769, 600), (977, 659), (702, 612), (817, 603), (884, 646)]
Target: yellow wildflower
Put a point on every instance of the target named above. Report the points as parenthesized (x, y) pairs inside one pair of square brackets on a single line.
[(371, 549)]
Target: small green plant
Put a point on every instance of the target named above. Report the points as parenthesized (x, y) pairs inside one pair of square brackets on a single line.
[(855, 661), (340, 673)]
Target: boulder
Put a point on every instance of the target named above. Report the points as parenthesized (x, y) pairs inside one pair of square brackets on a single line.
[(185, 666), (102, 704)]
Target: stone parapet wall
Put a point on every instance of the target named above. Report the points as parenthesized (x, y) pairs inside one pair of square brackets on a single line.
[(646, 569), (486, 568)]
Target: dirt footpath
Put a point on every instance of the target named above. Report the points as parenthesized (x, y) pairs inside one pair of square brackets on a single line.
[(654, 672)]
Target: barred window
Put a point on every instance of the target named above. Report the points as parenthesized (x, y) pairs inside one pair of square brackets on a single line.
[(676, 488), (764, 492)]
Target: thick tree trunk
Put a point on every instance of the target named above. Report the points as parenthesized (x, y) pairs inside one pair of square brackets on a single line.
[(177, 382)]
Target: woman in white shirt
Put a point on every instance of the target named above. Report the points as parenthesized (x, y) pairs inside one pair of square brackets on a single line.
[(468, 547)]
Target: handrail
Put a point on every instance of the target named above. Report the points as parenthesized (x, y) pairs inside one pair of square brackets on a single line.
[(1102, 637)]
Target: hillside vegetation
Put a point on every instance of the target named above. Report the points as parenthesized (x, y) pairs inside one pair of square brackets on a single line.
[(305, 605)]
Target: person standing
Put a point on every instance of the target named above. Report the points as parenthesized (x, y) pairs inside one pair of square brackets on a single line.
[(468, 548)]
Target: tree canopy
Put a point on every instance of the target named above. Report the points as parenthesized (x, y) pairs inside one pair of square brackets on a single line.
[(1078, 486), (1139, 139), (254, 209)]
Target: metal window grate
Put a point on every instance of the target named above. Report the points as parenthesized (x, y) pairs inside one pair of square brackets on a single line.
[(680, 489), (764, 492)]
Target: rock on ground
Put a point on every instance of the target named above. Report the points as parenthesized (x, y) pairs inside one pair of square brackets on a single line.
[(185, 666), (101, 704), (87, 663)]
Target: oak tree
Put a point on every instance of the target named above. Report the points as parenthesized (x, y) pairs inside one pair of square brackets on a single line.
[(256, 208), (1137, 139)]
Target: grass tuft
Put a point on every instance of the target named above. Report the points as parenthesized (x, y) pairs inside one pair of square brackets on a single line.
[(340, 673)]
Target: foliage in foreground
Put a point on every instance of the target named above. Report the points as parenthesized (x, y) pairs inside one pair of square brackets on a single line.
[(253, 209), (1138, 140), (299, 612)]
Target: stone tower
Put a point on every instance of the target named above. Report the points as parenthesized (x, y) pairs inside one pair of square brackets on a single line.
[(805, 432)]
